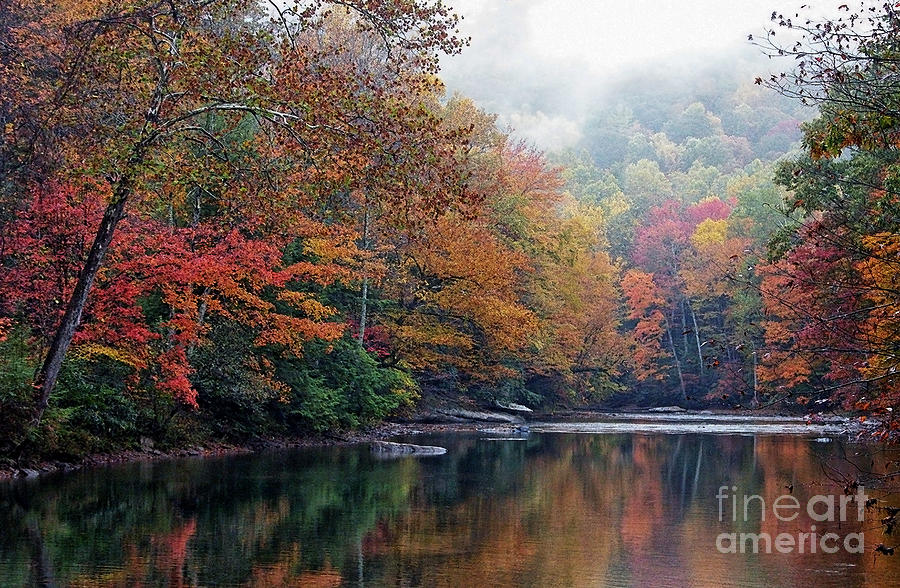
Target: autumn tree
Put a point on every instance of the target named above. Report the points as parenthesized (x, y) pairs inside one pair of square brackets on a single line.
[(457, 282), (830, 284), (150, 95)]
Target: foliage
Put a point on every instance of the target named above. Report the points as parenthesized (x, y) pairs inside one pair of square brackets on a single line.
[(831, 286), (16, 370), (266, 220), (239, 146), (341, 386)]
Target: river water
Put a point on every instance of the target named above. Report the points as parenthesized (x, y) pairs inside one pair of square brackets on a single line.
[(575, 505)]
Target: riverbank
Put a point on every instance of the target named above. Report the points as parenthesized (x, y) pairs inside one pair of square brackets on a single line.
[(40, 467), (381, 432), (489, 423)]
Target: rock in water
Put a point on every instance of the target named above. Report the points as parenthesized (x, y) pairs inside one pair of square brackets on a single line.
[(483, 416), (389, 449), (513, 407), (666, 409)]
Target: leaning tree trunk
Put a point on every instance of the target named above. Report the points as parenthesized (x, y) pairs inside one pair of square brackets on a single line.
[(46, 377)]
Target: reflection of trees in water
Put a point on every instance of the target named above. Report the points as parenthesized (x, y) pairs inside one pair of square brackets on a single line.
[(40, 570), (637, 509), (205, 521), (553, 509), (40, 561)]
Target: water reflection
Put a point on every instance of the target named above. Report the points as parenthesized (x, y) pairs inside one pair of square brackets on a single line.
[(552, 510)]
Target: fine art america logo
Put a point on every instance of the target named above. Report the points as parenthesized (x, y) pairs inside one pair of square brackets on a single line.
[(741, 508)]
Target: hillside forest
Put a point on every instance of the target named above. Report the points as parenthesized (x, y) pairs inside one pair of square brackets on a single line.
[(228, 219)]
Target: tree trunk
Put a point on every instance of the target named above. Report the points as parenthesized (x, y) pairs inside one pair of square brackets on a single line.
[(755, 383), (46, 377), (363, 309), (677, 362), (696, 337), (365, 284)]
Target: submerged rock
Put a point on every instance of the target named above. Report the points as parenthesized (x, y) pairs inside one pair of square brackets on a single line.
[(389, 449)]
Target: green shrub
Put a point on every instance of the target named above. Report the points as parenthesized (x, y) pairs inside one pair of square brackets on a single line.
[(235, 400), (16, 397), (339, 385), (90, 410)]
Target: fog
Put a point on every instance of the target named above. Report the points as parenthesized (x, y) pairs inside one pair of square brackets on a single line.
[(544, 65)]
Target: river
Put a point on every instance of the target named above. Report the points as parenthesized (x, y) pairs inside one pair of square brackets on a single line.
[(574, 505)]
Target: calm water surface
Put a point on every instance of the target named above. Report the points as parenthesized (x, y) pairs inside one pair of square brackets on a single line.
[(549, 509)]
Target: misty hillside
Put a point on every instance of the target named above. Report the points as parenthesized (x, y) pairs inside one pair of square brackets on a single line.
[(715, 115)]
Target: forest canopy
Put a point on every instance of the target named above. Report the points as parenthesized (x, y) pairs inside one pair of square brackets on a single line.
[(226, 219)]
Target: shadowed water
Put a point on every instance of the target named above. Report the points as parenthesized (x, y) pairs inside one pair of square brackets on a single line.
[(548, 509)]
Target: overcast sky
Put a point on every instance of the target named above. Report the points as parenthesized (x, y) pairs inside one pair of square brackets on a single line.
[(538, 63)]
